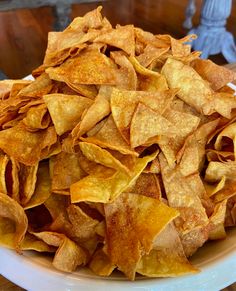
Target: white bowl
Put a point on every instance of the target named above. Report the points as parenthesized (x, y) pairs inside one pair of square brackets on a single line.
[(34, 271)]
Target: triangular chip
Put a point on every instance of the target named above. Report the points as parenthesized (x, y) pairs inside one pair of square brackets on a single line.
[(89, 67), (65, 170), (122, 37), (217, 76), (167, 258), (26, 147), (108, 136), (123, 104), (66, 110), (133, 221), (146, 124), (68, 256), (106, 188), (101, 156)]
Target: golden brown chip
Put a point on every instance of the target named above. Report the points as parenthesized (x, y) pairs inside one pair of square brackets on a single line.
[(108, 136), (27, 181), (7, 87), (39, 87), (131, 229), (150, 54), (42, 188), (4, 159), (216, 170), (123, 104), (217, 220), (167, 258), (37, 118), (101, 264), (73, 38), (152, 83), (147, 124), (184, 194), (26, 147), (66, 110), (65, 170), (95, 113), (217, 76), (89, 67), (106, 187), (11, 210), (69, 255), (83, 226), (101, 156), (127, 77), (56, 204), (122, 37), (147, 185)]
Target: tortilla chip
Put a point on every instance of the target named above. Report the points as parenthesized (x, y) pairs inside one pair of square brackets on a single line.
[(109, 137), (146, 124), (8, 87), (142, 70), (217, 76), (36, 118), (122, 37), (228, 132), (56, 204), (131, 229), (167, 258), (147, 185), (190, 159), (68, 256), (184, 193), (123, 104), (39, 87), (14, 141), (150, 54), (228, 191), (193, 89), (152, 83), (83, 226), (3, 168), (217, 220), (65, 170), (101, 264), (95, 113), (42, 188), (62, 44), (216, 170), (89, 67), (66, 110), (212, 189), (101, 156), (127, 78), (106, 188), (27, 181), (11, 210)]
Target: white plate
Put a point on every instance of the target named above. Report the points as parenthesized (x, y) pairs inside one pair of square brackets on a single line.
[(34, 271)]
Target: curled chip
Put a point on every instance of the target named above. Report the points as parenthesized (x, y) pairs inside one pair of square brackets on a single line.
[(120, 154), (11, 210)]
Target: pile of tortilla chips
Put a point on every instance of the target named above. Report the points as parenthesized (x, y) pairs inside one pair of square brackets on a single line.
[(121, 154)]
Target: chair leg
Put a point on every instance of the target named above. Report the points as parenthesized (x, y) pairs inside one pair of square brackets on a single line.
[(213, 38)]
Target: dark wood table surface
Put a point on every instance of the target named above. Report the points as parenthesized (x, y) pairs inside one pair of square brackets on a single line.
[(6, 285)]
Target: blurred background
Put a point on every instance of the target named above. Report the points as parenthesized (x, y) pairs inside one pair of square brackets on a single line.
[(23, 32)]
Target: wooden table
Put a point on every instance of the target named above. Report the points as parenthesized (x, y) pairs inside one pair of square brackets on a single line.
[(6, 285)]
